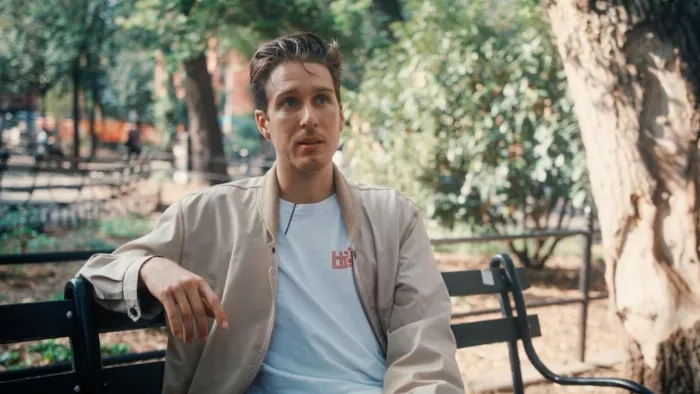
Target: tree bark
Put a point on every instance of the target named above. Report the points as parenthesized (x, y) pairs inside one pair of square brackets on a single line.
[(632, 69), (205, 133), (77, 75), (93, 133), (391, 9)]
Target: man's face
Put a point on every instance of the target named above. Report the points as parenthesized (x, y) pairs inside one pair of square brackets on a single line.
[(304, 118)]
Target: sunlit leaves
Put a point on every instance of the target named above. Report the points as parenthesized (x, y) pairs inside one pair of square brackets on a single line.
[(484, 101)]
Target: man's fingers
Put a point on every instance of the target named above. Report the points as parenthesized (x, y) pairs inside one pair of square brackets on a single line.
[(200, 314), (214, 305), (185, 314), (173, 315)]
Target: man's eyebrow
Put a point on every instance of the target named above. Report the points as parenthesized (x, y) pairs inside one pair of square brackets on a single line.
[(294, 90), (285, 92)]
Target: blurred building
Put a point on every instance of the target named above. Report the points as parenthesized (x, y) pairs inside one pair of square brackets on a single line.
[(230, 82)]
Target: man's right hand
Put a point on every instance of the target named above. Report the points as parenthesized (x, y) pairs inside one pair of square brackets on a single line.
[(185, 297)]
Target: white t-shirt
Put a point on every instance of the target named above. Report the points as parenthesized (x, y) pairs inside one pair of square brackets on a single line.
[(322, 341)]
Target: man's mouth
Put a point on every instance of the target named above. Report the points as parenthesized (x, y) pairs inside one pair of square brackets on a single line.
[(309, 142)]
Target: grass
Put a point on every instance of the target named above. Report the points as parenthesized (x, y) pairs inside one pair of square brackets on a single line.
[(50, 352), (104, 234)]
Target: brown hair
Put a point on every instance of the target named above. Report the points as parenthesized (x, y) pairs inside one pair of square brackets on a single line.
[(294, 47)]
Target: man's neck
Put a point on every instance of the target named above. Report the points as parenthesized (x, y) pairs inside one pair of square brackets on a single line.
[(305, 187)]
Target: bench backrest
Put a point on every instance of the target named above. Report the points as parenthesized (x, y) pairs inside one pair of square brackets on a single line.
[(109, 375), (487, 281), (97, 374), (40, 321)]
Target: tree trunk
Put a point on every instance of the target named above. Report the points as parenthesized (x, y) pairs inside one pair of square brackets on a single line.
[(632, 69), (391, 9), (77, 74), (205, 133), (95, 105), (93, 133)]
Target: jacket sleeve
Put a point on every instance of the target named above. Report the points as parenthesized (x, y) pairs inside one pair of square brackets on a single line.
[(421, 348), (115, 276)]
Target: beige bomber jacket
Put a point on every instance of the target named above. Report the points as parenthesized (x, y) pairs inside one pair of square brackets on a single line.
[(226, 234)]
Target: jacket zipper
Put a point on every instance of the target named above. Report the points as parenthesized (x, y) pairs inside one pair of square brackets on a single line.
[(270, 325), (363, 299)]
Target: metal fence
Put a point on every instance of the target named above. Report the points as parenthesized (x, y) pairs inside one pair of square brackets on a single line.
[(118, 181), (583, 299), (71, 193)]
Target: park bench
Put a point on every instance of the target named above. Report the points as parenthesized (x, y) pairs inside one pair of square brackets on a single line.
[(81, 319)]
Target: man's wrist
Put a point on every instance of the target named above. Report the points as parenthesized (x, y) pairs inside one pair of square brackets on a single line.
[(151, 260)]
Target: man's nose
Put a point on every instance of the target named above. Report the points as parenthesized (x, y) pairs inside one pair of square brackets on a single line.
[(309, 118)]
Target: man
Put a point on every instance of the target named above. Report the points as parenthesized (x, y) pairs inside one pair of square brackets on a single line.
[(133, 140), (313, 284)]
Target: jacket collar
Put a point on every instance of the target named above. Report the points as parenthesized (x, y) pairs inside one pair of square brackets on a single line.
[(271, 196)]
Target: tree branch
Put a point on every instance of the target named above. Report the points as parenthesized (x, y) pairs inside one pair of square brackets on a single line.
[(552, 246), (562, 213), (186, 6)]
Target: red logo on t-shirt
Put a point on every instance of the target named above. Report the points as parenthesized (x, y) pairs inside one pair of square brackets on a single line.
[(341, 259)]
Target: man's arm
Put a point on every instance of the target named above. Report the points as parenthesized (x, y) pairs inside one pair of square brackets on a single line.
[(421, 354), (115, 276)]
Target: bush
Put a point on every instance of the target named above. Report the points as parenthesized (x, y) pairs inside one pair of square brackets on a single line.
[(468, 114)]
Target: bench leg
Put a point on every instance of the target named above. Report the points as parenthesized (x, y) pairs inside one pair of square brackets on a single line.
[(513, 355), (524, 332)]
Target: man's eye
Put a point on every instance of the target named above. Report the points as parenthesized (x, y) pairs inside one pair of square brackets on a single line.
[(289, 102), (322, 99)]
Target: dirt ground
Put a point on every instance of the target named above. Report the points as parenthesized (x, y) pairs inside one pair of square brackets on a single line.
[(479, 365)]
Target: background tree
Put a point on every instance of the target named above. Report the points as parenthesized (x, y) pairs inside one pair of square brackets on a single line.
[(468, 114), (632, 68), (57, 45), (184, 29), (37, 46)]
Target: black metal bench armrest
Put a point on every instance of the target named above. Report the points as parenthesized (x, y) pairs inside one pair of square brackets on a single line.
[(505, 260)]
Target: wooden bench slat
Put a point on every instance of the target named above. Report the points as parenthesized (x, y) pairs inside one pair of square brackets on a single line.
[(485, 332), (58, 383), (465, 283), (36, 320), (145, 378), (31, 372), (108, 321)]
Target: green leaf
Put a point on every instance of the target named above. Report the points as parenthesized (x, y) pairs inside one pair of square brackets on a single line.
[(469, 110)]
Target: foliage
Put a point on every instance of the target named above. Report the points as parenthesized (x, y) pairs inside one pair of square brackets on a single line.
[(51, 352), (39, 41), (131, 226), (129, 87), (469, 115), (107, 233), (182, 28), (246, 140), (114, 349)]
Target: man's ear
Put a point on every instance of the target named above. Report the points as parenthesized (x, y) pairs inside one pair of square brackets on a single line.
[(261, 121), (342, 119)]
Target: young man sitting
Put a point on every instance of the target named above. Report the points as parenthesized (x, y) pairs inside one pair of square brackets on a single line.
[(296, 282)]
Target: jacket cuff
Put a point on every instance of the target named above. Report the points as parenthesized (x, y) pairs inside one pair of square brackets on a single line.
[(130, 288)]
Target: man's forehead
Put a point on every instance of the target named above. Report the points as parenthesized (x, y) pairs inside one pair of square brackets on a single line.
[(295, 75)]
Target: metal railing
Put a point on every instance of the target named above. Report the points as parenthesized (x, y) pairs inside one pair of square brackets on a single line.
[(118, 176), (112, 179), (50, 257), (584, 297)]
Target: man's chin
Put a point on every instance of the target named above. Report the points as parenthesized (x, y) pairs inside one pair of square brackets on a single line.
[(313, 165)]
